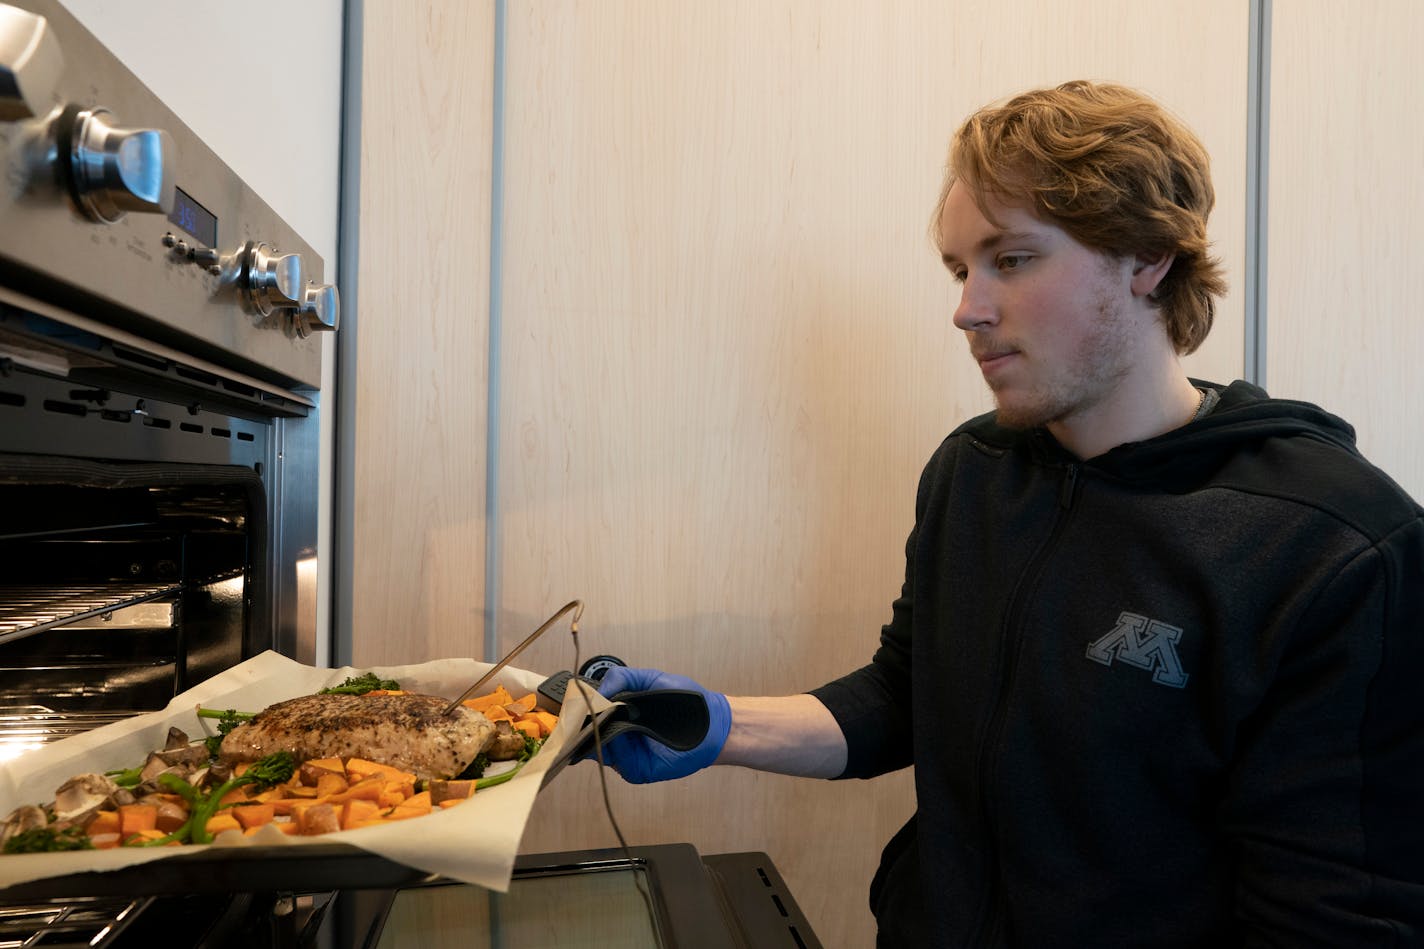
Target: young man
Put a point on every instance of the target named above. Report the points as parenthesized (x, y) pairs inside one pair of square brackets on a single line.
[(1156, 658)]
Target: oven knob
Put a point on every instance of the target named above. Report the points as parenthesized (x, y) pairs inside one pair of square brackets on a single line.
[(271, 280), (112, 170), (320, 310), (30, 64)]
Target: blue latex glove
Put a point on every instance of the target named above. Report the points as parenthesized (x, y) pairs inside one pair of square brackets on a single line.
[(641, 760)]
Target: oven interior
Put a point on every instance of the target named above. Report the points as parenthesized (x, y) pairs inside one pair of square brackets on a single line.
[(123, 585)]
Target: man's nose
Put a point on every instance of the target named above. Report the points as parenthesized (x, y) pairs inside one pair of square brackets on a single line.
[(976, 309)]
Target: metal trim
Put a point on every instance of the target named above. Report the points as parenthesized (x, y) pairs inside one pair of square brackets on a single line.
[(115, 335), (1258, 113), (348, 260), (496, 332)]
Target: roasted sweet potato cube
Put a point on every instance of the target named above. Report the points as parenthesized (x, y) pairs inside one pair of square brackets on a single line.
[(531, 727), (253, 815), (500, 696), (546, 721), (235, 796), (104, 822), (312, 771), (136, 817), (367, 789), (354, 812), (454, 790), (318, 819), (221, 822), (329, 784), (522, 705)]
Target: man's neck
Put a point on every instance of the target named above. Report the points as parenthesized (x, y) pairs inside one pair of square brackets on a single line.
[(1146, 405)]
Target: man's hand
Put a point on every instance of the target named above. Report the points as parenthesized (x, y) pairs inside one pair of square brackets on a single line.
[(641, 760)]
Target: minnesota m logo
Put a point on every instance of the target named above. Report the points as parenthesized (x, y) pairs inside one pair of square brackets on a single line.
[(1144, 643)]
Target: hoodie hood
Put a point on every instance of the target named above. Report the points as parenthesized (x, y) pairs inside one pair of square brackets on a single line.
[(1245, 415)]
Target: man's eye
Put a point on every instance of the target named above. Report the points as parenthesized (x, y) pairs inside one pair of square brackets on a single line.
[(1012, 261), (959, 274)]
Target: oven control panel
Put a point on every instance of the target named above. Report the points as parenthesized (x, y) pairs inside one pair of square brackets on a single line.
[(114, 209)]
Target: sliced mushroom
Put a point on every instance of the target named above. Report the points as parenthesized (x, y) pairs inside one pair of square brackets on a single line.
[(508, 742), (23, 818), (81, 795)]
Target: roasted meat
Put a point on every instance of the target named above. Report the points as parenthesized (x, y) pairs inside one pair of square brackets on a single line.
[(405, 731)]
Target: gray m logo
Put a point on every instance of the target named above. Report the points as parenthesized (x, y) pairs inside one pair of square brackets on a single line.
[(1144, 643)]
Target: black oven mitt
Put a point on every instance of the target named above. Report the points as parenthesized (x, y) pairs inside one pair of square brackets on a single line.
[(677, 718)]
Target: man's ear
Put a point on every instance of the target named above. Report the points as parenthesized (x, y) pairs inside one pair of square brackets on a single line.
[(1148, 271)]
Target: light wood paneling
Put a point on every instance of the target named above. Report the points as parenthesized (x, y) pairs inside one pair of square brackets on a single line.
[(727, 349), (1347, 221), (419, 477)]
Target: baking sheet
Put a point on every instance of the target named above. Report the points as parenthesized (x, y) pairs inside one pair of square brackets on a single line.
[(475, 842)]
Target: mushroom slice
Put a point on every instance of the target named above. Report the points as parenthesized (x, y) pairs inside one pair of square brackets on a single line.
[(23, 818), (82, 794)]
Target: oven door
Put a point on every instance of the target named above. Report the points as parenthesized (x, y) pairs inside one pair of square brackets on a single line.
[(648, 898)]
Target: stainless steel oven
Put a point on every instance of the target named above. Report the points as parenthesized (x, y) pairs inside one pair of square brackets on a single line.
[(160, 367), (159, 393)]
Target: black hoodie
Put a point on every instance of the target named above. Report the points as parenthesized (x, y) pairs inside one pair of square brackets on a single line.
[(1169, 696)]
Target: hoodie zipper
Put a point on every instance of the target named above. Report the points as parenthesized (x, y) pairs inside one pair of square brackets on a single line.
[(990, 919)]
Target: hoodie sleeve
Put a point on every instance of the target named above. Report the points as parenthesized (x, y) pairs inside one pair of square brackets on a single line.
[(1325, 799)]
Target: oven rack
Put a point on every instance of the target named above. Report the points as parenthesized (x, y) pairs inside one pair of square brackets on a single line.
[(70, 923), (28, 726), (25, 610)]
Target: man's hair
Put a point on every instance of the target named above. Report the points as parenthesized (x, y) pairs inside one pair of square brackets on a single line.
[(1116, 171)]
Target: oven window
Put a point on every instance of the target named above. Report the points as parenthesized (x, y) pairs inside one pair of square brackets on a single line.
[(600, 910)]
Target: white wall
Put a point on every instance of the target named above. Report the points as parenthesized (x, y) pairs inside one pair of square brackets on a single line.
[(260, 83)]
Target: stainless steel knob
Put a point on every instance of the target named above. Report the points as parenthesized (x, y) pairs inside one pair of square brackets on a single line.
[(272, 281), (30, 64), (113, 170), (320, 310)]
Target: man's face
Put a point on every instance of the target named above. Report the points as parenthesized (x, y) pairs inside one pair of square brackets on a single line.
[(1051, 322)]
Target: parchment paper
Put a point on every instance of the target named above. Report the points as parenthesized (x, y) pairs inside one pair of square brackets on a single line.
[(475, 842)]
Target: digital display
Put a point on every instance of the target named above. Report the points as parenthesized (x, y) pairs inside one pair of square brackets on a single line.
[(192, 217)]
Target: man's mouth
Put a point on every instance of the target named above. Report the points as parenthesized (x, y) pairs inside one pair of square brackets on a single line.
[(994, 357)]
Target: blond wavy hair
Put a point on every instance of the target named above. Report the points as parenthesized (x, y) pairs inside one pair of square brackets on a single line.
[(1115, 170)]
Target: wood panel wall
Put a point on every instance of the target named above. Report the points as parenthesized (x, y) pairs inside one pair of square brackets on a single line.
[(728, 351), (1346, 221), (423, 294), (727, 348)]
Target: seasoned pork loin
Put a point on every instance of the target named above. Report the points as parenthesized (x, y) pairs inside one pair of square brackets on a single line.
[(404, 731)]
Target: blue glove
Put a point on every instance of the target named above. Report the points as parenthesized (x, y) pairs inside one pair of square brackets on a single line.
[(641, 760)]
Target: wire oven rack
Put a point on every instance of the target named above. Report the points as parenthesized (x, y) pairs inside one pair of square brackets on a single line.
[(71, 923), (25, 610)]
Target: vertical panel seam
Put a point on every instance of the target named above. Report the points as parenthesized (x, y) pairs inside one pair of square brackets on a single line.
[(493, 356), (1258, 114), (343, 414)]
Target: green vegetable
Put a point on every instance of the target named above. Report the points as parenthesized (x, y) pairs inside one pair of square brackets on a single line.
[(531, 746), (475, 768), (127, 777), (227, 721), (262, 773), (361, 684), (49, 840)]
